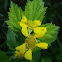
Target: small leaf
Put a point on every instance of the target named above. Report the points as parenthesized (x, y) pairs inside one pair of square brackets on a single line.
[(11, 39)]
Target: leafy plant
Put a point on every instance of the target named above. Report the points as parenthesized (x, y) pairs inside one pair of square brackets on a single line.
[(34, 10)]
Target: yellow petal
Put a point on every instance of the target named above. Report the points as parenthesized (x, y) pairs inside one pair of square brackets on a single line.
[(28, 55), (17, 54), (22, 24), (24, 31), (40, 30), (21, 48), (24, 19), (42, 45), (37, 22), (38, 35)]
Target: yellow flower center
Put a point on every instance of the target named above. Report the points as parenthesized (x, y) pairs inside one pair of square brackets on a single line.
[(30, 42), (31, 24)]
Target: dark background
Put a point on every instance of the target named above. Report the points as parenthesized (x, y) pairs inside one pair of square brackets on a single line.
[(53, 14)]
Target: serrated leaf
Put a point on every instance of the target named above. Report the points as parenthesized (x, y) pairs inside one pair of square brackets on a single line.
[(51, 33), (3, 57), (11, 39), (35, 10), (11, 26), (15, 15)]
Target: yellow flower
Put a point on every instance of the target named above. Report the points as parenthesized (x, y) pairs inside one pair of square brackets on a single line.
[(29, 23), (39, 32), (20, 52), (22, 48), (30, 43), (33, 25)]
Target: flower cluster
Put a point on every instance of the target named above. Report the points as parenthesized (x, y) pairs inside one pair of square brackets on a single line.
[(29, 26)]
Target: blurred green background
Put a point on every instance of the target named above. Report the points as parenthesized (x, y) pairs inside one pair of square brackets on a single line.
[(53, 15)]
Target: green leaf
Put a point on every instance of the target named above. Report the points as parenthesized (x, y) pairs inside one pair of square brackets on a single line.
[(3, 57), (11, 39), (35, 10), (36, 56), (15, 15), (36, 49), (11, 26), (47, 59), (51, 33)]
